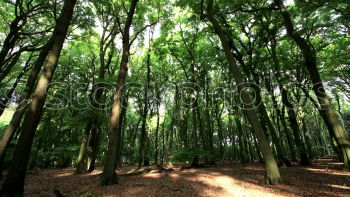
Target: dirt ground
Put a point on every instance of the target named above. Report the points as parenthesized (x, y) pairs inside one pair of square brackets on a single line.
[(324, 178)]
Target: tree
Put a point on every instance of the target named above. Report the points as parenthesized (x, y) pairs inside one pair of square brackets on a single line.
[(330, 117), (14, 183), (272, 172), (108, 174)]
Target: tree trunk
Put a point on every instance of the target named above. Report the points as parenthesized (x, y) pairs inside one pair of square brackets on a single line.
[(292, 117), (308, 139), (9, 67), (156, 152), (120, 131), (280, 117), (333, 139), (272, 172), (266, 120), (94, 138), (330, 116), (163, 141), (220, 131), (93, 143), (11, 38), (81, 168), (145, 112), (242, 151), (14, 183), (108, 174), (4, 101)]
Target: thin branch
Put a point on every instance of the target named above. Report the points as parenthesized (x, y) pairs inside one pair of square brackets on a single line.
[(141, 30)]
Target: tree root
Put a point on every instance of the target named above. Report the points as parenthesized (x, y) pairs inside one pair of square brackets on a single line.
[(272, 181)]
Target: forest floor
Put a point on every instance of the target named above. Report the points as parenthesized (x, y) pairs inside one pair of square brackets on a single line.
[(323, 178)]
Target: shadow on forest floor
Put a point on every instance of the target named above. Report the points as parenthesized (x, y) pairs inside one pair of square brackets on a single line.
[(322, 179)]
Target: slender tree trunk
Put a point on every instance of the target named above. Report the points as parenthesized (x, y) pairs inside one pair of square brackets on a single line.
[(266, 120), (304, 159), (333, 139), (156, 152), (120, 131), (9, 67), (250, 146), (308, 139), (194, 129), (14, 183), (11, 38), (163, 142), (209, 127), (82, 152), (194, 102), (108, 175), (145, 112), (93, 143), (97, 98), (292, 117), (272, 172), (242, 151), (4, 101), (284, 125), (220, 131)]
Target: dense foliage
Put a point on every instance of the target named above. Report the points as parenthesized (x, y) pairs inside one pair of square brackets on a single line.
[(181, 100)]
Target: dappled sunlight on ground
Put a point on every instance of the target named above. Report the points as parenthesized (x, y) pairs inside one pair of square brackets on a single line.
[(322, 179), (175, 176), (152, 175), (229, 186), (64, 174), (340, 186)]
